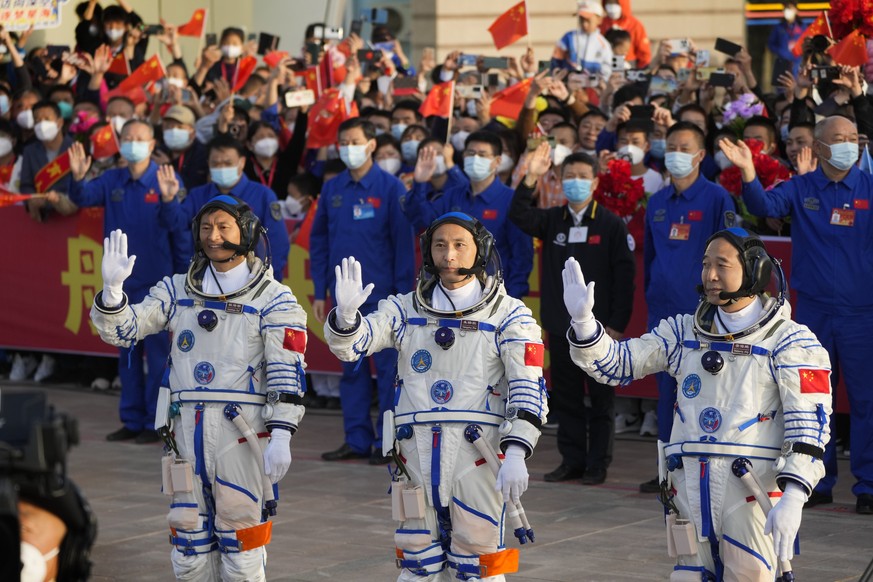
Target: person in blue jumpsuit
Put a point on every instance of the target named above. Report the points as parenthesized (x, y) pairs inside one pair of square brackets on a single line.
[(132, 202), (485, 198), (831, 273), (679, 220), (227, 159), (359, 215), (785, 35)]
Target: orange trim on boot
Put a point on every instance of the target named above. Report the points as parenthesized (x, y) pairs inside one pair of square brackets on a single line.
[(502, 562), (254, 537)]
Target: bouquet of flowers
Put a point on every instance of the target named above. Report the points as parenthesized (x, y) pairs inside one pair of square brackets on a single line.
[(769, 170), (737, 112), (617, 191)]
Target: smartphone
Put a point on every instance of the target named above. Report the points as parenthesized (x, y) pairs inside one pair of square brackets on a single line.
[(642, 111), (211, 39), (637, 75), (252, 36), (679, 46), (824, 73), (187, 95), (369, 56), (405, 86), (210, 95), (328, 32), (721, 80), (703, 73), (313, 49), (544, 66), (661, 85), (492, 80), (495, 63), (356, 27), (534, 142), (576, 81), (727, 47), (299, 98), (469, 91), (467, 60), (56, 51), (780, 67), (617, 63), (153, 29), (703, 58), (682, 75), (267, 43)]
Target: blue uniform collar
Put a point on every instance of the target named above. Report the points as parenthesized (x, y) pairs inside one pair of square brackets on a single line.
[(237, 189), (821, 181), (692, 191), (150, 175), (489, 194), (367, 181)]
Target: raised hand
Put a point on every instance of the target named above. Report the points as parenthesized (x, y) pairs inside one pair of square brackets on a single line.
[(579, 299), (806, 162), (116, 267), (425, 166), (739, 155), (350, 292), (538, 162), (168, 183), (79, 161)]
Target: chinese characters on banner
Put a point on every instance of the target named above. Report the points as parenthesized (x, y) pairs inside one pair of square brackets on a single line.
[(22, 14)]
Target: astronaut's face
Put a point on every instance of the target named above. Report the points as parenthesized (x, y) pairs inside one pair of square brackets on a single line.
[(722, 271), (453, 248), (217, 228)]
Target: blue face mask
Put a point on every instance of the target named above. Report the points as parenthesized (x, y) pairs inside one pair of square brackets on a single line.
[(397, 130), (4, 103), (66, 110), (224, 177), (577, 189), (659, 148), (135, 151), (679, 164), (409, 150), (477, 168), (843, 155)]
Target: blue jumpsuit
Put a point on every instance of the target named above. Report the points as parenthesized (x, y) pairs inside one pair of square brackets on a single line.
[(364, 219), (677, 226), (160, 245), (264, 204), (832, 273), (491, 208)]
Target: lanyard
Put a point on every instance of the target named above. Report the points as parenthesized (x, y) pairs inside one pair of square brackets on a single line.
[(269, 182)]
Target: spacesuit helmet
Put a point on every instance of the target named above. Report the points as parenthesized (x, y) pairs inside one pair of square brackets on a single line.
[(250, 229), (757, 264)]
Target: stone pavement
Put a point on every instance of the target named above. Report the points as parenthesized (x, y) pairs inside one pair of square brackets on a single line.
[(334, 518)]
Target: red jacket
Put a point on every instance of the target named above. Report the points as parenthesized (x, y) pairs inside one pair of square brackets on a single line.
[(640, 51)]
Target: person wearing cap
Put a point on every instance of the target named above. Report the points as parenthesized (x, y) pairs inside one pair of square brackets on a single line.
[(754, 398), (134, 202), (470, 368), (619, 16), (585, 49), (832, 273), (236, 378), (187, 154)]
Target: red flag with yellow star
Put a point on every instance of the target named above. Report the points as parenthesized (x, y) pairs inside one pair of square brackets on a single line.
[(150, 71), (273, 58), (104, 143), (818, 26), (8, 198), (509, 26), (509, 102), (119, 65), (244, 69), (195, 26), (52, 172), (325, 117), (295, 340), (439, 101), (851, 51), (814, 381), (312, 78), (533, 354)]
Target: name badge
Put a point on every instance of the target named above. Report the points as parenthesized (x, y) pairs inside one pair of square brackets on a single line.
[(578, 234), (843, 217), (680, 231), (363, 211)]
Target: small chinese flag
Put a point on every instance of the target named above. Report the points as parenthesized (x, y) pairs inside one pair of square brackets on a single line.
[(135, 94), (325, 118), (8, 198), (273, 58), (312, 78), (295, 340), (509, 26), (119, 65), (533, 354), (814, 381), (244, 69), (439, 101), (104, 143), (52, 172), (819, 26), (509, 102), (851, 51), (148, 72), (195, 26)]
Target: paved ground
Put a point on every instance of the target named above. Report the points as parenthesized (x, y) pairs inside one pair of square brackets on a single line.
[(334, 518)]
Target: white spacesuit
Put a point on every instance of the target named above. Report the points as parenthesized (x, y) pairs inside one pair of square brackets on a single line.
[(752, 385), (235, 377), (470, 356)]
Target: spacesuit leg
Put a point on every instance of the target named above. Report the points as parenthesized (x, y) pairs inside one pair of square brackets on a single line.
[(157, 349), (700, 565), (747, 553), (356, 389), (386, 372), (131, 372)]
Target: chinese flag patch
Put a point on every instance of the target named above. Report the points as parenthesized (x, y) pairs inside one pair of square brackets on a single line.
[(695, 215), (489, 214), (862, 204), (375, 202), (533, 354), (814, 381), (151, 197), (594, 239), (295, 340)]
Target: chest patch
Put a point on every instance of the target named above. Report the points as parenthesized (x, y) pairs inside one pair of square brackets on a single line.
[(421, 361), (204, 373), (441, 391), (710, 419), (185, 341), (691, 386)]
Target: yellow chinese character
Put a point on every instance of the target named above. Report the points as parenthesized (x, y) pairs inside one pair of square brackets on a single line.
[(83, 278)]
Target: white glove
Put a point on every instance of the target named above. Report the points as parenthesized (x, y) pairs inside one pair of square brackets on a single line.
[(783, 521), (512, 477), (116, 267), (579, 300), (277, 455), (350, 293)]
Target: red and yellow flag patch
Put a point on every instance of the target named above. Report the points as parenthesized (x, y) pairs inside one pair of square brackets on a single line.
[(295, 340), (814, 381), (533, 354)]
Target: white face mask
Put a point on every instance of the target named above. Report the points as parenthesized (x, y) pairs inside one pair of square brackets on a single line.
[(390, 165), (266, 147), (5, 146), (790, 14), (560, 153), (459, 140), (632, 153), (46, 130), (471, 107), (177, 138), (34, 562), (176, 82), (613, 11), (723, 162), (440, 166), (118, 123), (506, 163), (114, 33), (293, 206), (231, 51), (25, 119)]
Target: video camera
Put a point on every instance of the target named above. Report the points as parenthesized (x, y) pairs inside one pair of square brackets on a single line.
[(34, 441)]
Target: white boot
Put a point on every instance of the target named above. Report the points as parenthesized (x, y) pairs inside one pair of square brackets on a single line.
[(45, 369)]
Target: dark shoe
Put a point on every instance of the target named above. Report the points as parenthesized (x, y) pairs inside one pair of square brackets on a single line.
[(818, 498), (564, 472), (123, 434), (147, 437), (377, 458), (864, 505), (332, 403), (344, 453), (594, 477), (653, 486)]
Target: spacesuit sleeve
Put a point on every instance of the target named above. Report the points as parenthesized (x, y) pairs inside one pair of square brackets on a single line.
[(618, 363), (381, 329), (126, 324), (283, 329), (520, 345), (802, 371)]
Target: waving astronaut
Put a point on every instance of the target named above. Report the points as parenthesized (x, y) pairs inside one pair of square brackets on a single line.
[(234, 378), (469, 381), (752, 410)]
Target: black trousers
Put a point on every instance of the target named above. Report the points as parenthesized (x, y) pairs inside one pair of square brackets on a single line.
[(585, 434)]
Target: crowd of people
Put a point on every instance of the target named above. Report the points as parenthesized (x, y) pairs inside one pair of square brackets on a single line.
[(612, 151)]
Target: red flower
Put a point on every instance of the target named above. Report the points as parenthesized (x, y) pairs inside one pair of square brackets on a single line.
[(617, 191)]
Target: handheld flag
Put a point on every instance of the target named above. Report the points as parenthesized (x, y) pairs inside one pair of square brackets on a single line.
[(509, 102), (244, 69), (439, 101), (52, 173), (195, 26), (509, 26), (818, 26), (851, 51), (326, 116), (104, 143)]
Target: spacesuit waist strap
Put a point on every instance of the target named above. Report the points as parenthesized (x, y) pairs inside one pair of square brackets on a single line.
[(692, 448), (462, 324), (434, 416), (226, 306), (247, 539), (236, 396)]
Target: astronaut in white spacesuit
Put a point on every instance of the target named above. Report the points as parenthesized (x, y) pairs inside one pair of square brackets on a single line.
[(469, 385), (754, 397), (234, 379)]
